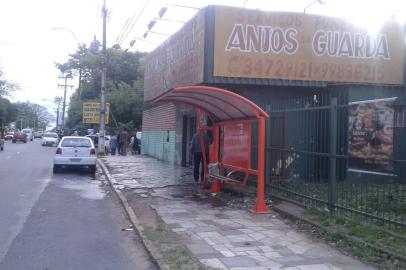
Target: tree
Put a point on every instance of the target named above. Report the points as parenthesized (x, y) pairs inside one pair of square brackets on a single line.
[(7, 109), (5, 86), (126, 106), (8, 113), (33, 115), (125, 72)]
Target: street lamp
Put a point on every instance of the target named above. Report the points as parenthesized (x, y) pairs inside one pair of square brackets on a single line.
[(70, 31), (157, 33), (21, 121), (181, 6), (161, 13), (132, 42), (321, 2), (57, 101), (78, 44), (154, 21)]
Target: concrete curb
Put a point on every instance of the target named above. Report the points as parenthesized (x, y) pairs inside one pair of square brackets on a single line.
[(139, 229)]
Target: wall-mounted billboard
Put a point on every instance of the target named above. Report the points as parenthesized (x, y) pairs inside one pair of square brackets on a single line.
[(298, 46)]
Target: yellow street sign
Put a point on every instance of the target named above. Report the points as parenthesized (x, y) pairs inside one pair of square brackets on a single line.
[(91, 113)]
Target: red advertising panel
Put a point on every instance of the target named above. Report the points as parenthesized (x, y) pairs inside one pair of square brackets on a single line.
[(370, 137), (237, 144)]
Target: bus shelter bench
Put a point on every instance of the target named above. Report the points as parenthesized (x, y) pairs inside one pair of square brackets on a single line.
[(222, 178), (218, 180)]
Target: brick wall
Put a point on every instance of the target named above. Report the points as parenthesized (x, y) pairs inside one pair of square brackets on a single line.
[(159, 118), (158, 132)]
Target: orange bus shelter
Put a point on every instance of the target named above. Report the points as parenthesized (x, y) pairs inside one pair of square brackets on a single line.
[(224, 107)]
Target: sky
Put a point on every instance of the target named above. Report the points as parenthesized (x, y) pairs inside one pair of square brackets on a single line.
[(34, 35)]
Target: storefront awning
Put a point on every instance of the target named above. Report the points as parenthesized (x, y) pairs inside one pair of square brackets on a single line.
[(223, 105)]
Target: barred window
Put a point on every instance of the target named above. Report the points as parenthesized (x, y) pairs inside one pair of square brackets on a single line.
[(400, 117)]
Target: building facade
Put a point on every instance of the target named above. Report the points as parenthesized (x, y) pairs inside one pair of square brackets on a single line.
[(331, 88)]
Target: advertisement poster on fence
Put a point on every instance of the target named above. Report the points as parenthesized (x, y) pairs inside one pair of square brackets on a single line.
[(370, 135)]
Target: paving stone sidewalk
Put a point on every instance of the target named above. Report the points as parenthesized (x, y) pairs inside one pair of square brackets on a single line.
[(223, 237)]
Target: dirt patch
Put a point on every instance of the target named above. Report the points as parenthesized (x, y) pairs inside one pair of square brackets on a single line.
[(170, 246)]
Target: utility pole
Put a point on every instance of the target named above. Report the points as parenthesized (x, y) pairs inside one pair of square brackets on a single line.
[(57, 101), (64, 86), (102, 131)]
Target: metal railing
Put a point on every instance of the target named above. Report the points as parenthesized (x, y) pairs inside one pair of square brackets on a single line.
[(309, 162)]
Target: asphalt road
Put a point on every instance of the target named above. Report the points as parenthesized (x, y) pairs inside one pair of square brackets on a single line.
[(63, 221)]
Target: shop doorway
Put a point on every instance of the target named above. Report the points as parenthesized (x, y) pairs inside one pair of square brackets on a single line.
[(188, 129)]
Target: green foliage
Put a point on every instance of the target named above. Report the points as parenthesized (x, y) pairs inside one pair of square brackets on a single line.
[(8, 113), (126, 106), (7, 109), (371, 243), (5, 86), (32, 115), (125, 71)]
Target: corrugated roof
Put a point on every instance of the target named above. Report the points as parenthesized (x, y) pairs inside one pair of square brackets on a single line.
[(222, 105)]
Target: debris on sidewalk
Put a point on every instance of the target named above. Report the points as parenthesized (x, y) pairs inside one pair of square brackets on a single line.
[(217, 231), (127, 229)]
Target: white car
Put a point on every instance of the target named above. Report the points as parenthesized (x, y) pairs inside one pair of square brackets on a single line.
[(50, 138), (106, 142), (29, 133), (75, 151)]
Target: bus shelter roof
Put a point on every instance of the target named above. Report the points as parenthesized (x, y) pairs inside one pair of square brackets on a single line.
[(221, 104)]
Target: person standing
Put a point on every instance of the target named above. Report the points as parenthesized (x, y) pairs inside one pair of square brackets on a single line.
[(118, 142), (135, 145), (123, 142), (196, 151), (113, 144), (96, 140)]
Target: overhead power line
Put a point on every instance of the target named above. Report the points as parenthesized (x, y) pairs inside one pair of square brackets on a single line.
[(126, 30)]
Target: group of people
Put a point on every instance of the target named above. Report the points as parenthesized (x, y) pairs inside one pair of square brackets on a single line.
[(119, 143)]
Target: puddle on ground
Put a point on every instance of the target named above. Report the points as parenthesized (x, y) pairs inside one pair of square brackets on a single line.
[(178, 196), (198, 196), (87, 189)]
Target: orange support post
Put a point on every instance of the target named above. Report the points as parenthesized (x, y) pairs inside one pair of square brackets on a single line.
[(260, 206), (225, 107), (215, 187)]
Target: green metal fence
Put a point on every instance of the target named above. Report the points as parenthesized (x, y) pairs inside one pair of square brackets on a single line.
[(308, 159)]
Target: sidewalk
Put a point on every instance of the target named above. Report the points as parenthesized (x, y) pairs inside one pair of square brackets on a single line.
[(218, 236)]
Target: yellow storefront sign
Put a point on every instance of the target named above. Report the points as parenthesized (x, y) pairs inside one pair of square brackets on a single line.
[(91, 113), (298, 46)]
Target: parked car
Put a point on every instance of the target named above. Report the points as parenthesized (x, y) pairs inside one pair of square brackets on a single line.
[(106, 142), (29, 133), (1, 144), (50, 138), (19, 137), (38, 134), (9, 136), (75, 151), (92, 137)]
